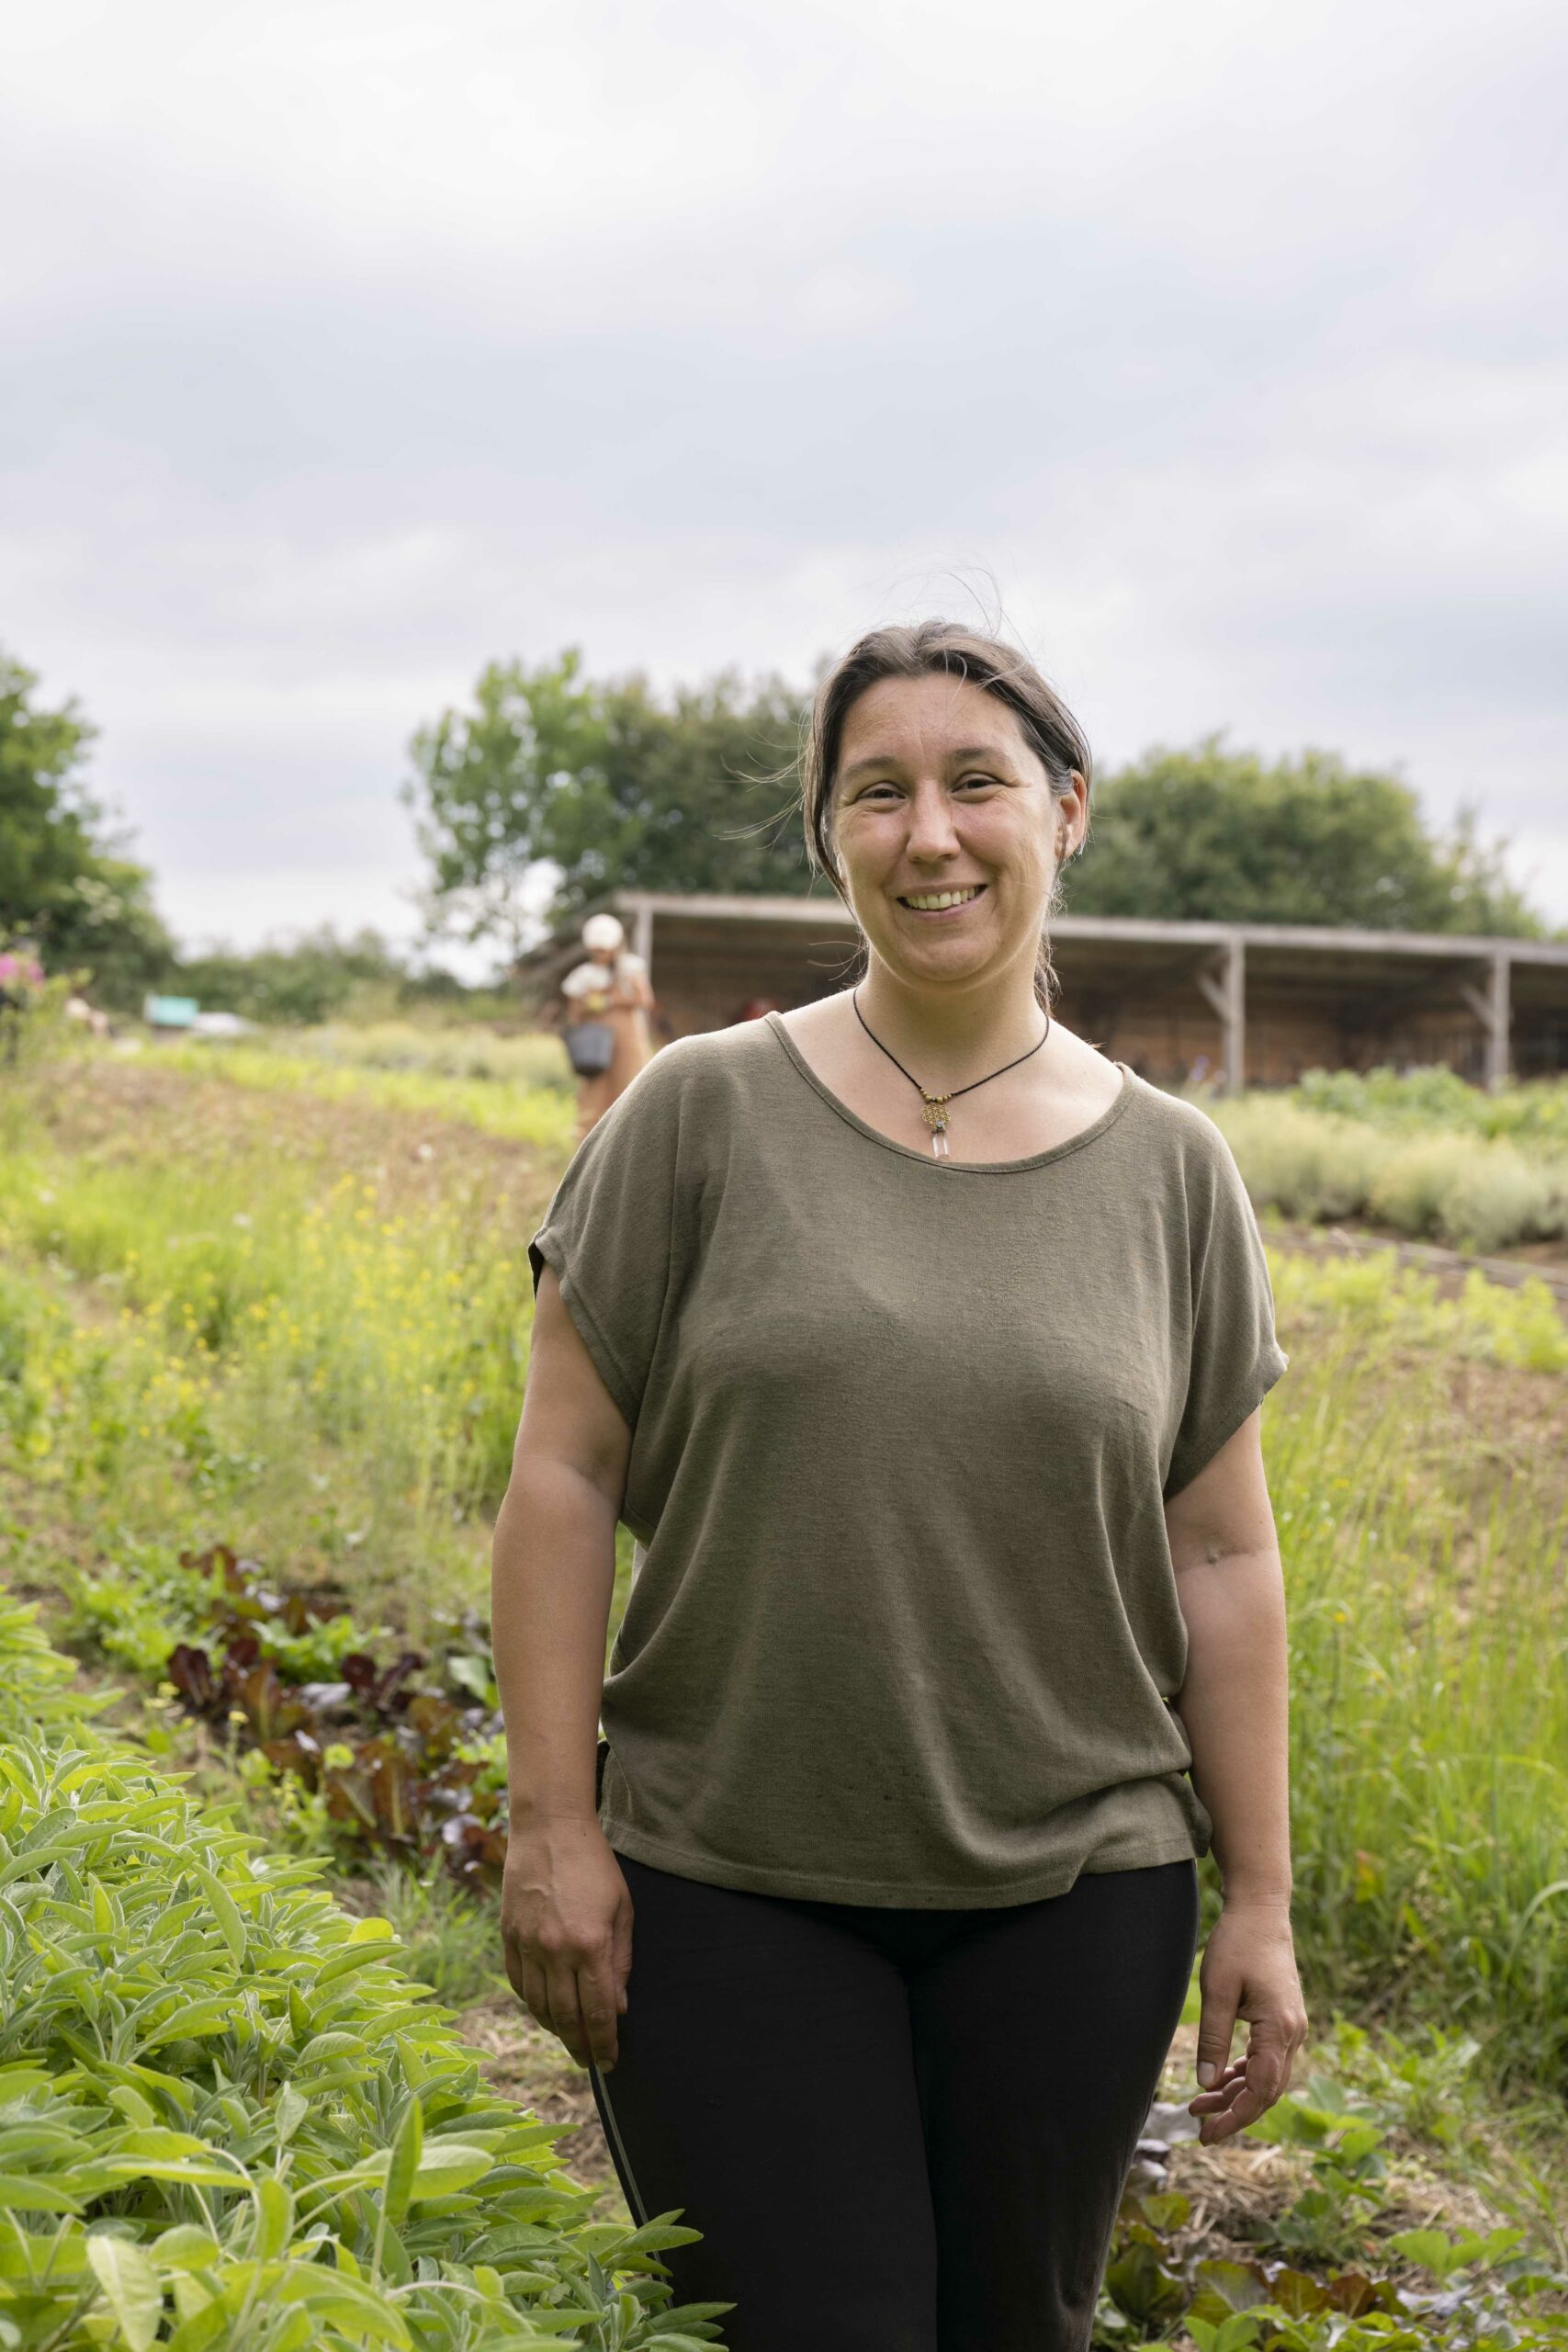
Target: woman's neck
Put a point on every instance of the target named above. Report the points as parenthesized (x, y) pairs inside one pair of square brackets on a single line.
[(950, 1032)]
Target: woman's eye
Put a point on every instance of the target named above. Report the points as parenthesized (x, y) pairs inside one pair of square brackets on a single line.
[(966, 780)]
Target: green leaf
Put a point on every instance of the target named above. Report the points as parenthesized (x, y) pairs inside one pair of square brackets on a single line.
[(193, 2020), (21, 2082), (339, 2294), (1297, 2293), (225, 1910), (449, 2166), (293, 2107), (351, 1956), (185, 2247), (1235, 2283), (275, 2217), (1139, 2284), (407, 2147), (28, 2196), (130, 2288), (201, 2328), (1430, 2248)]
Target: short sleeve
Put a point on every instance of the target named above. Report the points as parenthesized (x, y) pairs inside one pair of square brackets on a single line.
[(1234, 1357), (608, 1232)]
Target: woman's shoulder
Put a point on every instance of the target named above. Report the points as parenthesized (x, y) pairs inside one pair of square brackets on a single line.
[(703, 1072), (1181, 1128)]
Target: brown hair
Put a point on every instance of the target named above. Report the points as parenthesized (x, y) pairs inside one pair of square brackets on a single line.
[(932, 649)]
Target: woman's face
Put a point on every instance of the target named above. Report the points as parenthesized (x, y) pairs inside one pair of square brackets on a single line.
[(947, 831)]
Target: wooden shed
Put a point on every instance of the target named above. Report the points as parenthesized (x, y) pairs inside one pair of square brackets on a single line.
[(1251, 1003)]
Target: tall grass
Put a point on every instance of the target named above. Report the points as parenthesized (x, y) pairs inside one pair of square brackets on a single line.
[(524, 1109), (535, 1059), (1427, 1580), (318, 1370)]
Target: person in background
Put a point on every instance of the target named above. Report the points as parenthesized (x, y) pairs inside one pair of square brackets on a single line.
[(608, 999)]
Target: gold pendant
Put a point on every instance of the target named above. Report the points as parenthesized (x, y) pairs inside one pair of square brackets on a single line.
[(934, 1108)]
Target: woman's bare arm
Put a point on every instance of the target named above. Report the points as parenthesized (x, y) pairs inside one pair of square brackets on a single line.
[(566, 1914), (1233, 1705)]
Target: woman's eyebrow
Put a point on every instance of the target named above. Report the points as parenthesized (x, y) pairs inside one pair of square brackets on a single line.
[(958, 758)]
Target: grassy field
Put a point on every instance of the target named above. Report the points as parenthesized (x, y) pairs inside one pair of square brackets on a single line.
[(280, 1301)]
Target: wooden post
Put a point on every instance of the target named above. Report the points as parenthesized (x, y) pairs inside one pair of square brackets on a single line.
[(1492, 1007), (1499, 1042), (1225, 990), (642, 935)]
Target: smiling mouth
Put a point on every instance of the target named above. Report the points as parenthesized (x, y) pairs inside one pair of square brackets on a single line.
[(936, 902)]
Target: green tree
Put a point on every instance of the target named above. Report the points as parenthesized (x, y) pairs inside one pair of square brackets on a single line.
[(313, 979), (614, 786), (64, 881), (1224, 836)]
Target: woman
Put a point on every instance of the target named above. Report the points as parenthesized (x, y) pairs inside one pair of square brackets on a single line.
[(608, 992), (921, 1348)]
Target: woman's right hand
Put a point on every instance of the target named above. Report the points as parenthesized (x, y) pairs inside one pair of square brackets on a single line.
[(566, 1926)]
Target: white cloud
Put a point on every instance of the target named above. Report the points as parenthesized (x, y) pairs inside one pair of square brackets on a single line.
[(352, 344)]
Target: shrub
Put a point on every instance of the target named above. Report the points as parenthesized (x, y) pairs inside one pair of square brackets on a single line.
[(1499, 1197), (1426, 1154), (1299, 1162), (1482, 1196), (227, 2117)]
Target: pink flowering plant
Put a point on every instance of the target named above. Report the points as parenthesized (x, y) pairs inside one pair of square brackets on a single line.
[(31, 1005)]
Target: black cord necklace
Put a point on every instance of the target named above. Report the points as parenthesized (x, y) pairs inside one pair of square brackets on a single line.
[(934, 1106)]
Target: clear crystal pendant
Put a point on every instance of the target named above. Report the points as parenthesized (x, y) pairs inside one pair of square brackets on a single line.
[(934, 1109)]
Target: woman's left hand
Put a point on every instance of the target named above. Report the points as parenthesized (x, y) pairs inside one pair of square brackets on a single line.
[(1249, 1971)]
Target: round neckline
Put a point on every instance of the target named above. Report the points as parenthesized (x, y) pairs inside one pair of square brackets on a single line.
[(1091, 1133)]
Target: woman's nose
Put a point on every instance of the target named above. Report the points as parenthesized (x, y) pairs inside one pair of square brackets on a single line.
[(931, 831)]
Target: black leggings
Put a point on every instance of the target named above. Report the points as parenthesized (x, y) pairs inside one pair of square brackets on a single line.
[(897, 2131)]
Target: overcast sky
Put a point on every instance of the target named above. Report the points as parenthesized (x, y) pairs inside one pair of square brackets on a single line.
[(347, 345)]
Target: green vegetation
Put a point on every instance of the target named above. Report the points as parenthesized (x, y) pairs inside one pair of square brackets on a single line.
[(331, 1368), (1416, 1102), (1226, 836), (448, 1937), (1426, 1155), (253, 1299), (615, 786), (436, 1049), (537, 1109), (65, 884), (328, 1378), (319, 977), (1327, 2269), (227, 2118), (621, 789)]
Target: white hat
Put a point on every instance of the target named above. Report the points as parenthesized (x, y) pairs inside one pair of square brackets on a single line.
[(603, 932)]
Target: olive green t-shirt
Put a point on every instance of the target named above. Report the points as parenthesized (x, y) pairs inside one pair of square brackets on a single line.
[(904, 1628)]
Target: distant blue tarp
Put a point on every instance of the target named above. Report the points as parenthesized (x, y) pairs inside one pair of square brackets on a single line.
[(170, 1011)]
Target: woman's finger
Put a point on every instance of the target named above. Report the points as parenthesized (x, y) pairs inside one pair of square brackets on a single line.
[(1216, 2029), (566, 2015), (532, 1990), (1208, 2101), (1264, 2075), (599, 2010)]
